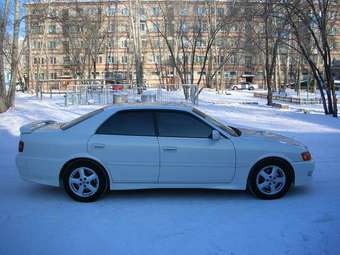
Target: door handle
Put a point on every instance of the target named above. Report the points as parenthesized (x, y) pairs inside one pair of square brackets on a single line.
[(98, 146), (169, 148)]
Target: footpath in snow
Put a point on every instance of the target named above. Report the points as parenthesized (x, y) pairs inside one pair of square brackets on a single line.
[(36, 219)]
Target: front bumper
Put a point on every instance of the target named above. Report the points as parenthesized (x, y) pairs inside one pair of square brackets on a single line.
[(303, 172)]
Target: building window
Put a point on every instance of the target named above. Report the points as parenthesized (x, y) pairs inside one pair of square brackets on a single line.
[(52, 29), (184, 27), (220, 60), (200, 59), (123, 28), (37, 29), (109, 44), (184, 12), (110, 59), (220, 11), (124, 59), (200, 11), (37, 45), (156, 59), (53, 76), (67, 60), (111, 11), (201, 43), (155, 11), (124, 43), (332, 31), (111, 28), (248, 61), (125, 12), (52, 44), (143, 27), (53, 60)]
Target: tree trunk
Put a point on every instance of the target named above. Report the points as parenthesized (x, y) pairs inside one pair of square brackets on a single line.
[(8, 100), (3, 25)]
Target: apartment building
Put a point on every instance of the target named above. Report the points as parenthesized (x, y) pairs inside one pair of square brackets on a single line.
[(90, 39)]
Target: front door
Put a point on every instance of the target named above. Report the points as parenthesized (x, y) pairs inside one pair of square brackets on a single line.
[(188, 154), (127, 145)]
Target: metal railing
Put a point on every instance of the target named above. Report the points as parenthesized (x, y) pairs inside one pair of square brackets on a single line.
[(105, 94)]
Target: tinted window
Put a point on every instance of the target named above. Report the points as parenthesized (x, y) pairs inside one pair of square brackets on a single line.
[(139, 123), (181, 124)]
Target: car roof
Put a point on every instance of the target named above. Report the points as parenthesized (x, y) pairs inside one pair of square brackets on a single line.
[(150, 106)]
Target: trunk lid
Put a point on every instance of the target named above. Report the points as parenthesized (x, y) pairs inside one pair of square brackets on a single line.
[(42, 125)]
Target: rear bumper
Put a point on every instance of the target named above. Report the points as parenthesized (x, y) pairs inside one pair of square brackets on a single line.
[(38, 170), (303, 172)]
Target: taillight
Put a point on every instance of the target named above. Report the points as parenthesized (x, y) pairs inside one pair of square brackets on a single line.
[(306, 156), (21, 146)]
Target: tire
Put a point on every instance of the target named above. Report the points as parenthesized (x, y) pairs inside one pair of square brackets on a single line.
[(270, 179), (85, 181), (251, 88), (235, 88)]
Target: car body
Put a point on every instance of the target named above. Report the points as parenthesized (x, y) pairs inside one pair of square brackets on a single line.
[(112, 78), (244, 86), (157, 146)]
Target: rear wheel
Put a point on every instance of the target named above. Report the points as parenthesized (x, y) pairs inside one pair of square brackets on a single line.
[(84, 181), (270, 180), (235, 88)]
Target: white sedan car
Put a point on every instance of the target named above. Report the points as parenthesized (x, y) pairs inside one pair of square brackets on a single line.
[(158, 146), (244, 85)]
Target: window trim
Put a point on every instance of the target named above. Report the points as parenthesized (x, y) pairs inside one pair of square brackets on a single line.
[(154, 113)]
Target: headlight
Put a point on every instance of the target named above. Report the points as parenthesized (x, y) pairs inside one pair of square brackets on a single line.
[(306, 156)]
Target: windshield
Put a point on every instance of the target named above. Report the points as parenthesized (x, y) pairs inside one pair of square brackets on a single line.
[(230, 130), (80, 119)]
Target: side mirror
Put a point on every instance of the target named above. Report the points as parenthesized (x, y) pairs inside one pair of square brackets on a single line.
[(215, 135)]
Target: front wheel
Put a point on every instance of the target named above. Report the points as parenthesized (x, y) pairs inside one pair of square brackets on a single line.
[(84, 181), (270, 180)]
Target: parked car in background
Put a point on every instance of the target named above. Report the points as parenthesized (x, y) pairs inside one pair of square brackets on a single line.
[(244, 85), (113, 78), (158, 146)]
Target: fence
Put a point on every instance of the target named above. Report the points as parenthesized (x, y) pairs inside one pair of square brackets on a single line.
[(106, 94), (290, 99)]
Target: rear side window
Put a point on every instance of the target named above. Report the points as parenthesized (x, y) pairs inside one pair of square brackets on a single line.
[(133, 123), (181, 124)]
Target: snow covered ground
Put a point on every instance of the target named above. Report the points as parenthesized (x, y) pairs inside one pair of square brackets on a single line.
[(36, 219)]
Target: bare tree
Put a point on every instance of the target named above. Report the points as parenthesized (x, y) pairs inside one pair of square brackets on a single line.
[(191, 37), (135, 16), (311, 22), (7, 95), (270, 23), (84, 33)]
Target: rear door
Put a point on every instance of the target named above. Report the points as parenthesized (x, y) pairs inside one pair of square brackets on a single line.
[(187, 152), (127, 145)]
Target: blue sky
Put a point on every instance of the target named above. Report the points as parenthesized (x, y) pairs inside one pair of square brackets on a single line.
[(22, 13)]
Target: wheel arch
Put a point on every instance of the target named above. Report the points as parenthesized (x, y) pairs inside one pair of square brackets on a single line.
[(79, 159), (272, 158)]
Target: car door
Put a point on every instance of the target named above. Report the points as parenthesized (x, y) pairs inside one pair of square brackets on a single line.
[(127, 145), (188, 154)]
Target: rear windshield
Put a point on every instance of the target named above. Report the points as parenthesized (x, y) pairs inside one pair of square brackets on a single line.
[(76, 121)]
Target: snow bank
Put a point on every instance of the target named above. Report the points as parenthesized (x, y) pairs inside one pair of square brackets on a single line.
[(36, 219)]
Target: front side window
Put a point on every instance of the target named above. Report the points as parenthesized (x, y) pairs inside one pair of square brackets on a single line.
[(132, 123), (181, 124)]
